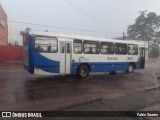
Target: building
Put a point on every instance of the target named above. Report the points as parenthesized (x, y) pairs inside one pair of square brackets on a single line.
[(3, 27), (11, 34)]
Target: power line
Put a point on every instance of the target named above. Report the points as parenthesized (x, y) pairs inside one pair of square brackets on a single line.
[(63, 27), (93, 18)]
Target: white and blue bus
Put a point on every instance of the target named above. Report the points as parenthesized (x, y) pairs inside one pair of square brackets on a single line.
[(47, 53)]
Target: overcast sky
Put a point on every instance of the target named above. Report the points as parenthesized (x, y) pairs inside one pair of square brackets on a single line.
[(110, 16)]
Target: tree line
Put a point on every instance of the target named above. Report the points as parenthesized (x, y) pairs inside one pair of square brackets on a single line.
[(147, 27)]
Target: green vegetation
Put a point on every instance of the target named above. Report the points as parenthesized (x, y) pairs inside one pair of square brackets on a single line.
[(147, 27)]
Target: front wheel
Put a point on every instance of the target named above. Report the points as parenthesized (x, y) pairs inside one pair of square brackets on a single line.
[(130, 69), (83, 71)]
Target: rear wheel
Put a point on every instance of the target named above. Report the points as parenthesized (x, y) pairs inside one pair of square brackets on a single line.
[(130, 69), (83, 71)]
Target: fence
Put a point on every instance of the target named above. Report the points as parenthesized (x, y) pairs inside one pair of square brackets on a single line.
[(11, 53)]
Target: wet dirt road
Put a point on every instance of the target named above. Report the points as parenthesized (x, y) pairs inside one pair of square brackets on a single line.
[(21, 91)]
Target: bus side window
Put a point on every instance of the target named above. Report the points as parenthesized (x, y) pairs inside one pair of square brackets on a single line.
[(68, 47), (121, 49), (77, 46), (132, 49), (46, 44), (62, 47), (49, 48), (39, 48), (107, 48), (91, 47)]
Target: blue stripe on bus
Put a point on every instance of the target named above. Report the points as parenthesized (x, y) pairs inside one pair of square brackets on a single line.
[(41, 60), (104, 66), (50, 69)]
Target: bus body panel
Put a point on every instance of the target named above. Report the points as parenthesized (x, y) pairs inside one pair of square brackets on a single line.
[(105, 63), (104, 66), (28, 53), (46, 59)]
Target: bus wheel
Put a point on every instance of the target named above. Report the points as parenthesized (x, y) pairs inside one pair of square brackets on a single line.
[(130, 68), (83, 71)]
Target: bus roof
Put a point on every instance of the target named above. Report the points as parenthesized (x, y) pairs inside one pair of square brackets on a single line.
[(60, 35)]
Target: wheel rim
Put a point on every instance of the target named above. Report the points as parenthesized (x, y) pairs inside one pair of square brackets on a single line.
[(130, 68), (83, 72)]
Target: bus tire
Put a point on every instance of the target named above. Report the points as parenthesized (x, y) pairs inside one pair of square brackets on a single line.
[(83, 71), (130, 69)]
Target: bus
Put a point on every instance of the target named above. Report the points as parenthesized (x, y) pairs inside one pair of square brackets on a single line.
[(47, 53)]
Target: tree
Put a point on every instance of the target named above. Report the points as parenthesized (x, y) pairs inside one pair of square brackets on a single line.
[(147, 27), (16, 42)]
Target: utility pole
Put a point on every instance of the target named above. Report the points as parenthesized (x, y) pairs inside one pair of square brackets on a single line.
[(123, 35)]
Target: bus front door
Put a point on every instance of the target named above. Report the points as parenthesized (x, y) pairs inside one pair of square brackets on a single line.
[(142, 58), (65, 57)]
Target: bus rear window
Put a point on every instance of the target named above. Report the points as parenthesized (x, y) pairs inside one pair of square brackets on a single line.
[(46, 44)]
